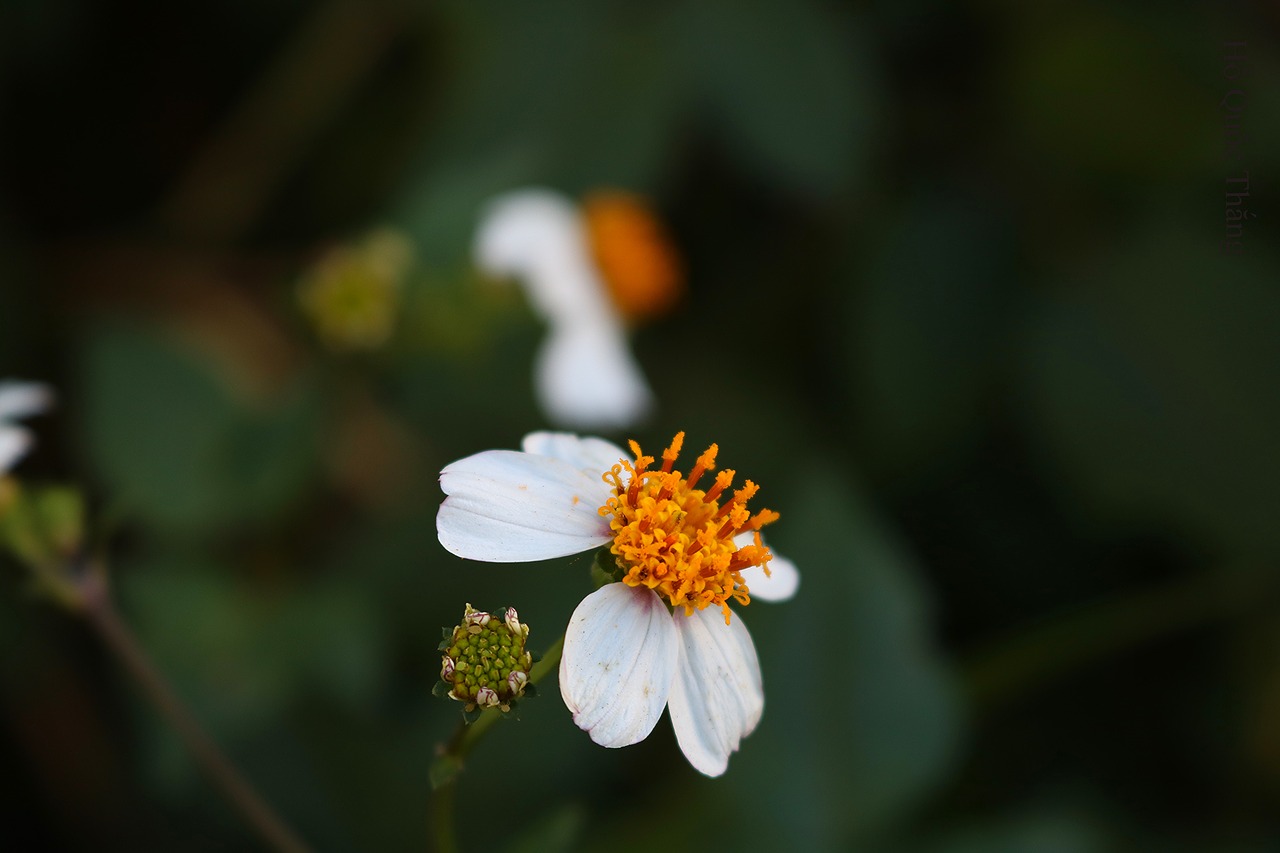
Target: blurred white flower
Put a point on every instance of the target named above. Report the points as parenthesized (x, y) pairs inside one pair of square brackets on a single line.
[(587, 271), (586, 376), (662, 637), (19, 400)]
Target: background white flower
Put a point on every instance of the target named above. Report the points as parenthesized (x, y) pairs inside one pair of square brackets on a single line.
[(627, 653), (19, 400), (585, 376)]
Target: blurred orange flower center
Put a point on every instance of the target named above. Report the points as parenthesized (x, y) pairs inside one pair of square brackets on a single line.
[(637, 261), (676, 539)]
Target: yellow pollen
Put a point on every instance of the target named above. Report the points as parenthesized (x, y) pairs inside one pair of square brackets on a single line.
[(633, 253), (676, 539)]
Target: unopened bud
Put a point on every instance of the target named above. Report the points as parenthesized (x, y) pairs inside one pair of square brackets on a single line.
[(352, 294), (484, 662), (516, 681), (513, 623), (44, 528), (486, 697)]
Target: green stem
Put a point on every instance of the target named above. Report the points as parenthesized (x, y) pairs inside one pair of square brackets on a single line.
[(453, 755), (442, 817), (99, 611), (1075, 639)]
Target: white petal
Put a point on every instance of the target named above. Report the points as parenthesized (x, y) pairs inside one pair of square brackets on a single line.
[(586, 378), (510, 507), (717, 697), (782, 581), (14, 443), (538, 237), (586, 452), (19, 399), (620, 658)]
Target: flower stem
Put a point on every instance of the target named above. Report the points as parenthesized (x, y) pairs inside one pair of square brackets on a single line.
[(442, 801), (98, 610), (451, 756)]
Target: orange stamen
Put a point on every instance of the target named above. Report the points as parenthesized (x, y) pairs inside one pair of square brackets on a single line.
[(706, 462), (672, 453), (723, 480), (678, 541)]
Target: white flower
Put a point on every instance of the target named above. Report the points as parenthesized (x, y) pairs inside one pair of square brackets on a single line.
[(585, 376), (664, 636), (19, 400), (538, 237)]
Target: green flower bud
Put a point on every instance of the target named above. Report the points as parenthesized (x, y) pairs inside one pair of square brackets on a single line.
[(43, 527), (483, 661), (352, 294)]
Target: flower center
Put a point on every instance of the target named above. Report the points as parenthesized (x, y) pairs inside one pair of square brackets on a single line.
[(634, 255), (676, 539)]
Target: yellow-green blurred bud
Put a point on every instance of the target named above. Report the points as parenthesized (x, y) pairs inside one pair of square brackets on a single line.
[(44, 529), (352, 294)]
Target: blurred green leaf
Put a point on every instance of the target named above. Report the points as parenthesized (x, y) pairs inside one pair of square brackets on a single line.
[(557, 830), (571, 94), (242, 655), (794, 83), (156, 426), (1095, 93), (1048, 833), (271, 455), (441, 205), (862, 717), (175, 445), (626, 110), (928, 329), (1151, 377)]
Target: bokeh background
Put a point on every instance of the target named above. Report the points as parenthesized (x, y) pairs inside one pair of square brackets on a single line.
[(955, 297)]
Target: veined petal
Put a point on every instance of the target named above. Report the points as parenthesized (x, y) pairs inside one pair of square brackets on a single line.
[(585, 452), (620, 658), (19, 399), (586, 378), (14, 443), (717, 697), (510, 507), (779, 585), (538, 237)]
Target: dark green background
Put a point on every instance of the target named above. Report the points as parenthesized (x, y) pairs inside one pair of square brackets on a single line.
[(955, 300)]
